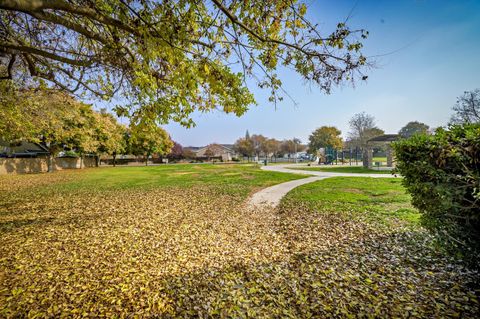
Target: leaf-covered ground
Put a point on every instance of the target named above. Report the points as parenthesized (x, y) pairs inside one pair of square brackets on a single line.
[(81, 244)]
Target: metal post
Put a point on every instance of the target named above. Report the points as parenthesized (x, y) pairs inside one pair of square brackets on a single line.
[(295, 142)]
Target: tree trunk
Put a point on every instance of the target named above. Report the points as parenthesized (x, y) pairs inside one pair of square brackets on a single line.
[(146, 159), (114, 155), (81, 161), (97, 161), (50, 163)]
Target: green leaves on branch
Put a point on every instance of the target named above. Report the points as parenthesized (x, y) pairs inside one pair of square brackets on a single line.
[(164, 60)]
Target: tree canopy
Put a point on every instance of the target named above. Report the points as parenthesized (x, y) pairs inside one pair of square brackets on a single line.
[(60, 122), (271, 146), (110, 134), (148, 138), (325, 136), (467, 108), (50, 117), (165, 59), (292, 146), (412, 128), (244, 146), (363, 128)]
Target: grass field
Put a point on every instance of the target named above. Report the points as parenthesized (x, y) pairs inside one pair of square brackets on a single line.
[(229, 178), (374, 200), (343, 169), (177, 241)]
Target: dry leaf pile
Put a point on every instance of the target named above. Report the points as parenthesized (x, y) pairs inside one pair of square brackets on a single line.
[(176, 252)]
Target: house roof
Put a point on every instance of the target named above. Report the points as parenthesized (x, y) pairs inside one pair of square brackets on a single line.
[(385, 138), (227, 147), (23, 148)]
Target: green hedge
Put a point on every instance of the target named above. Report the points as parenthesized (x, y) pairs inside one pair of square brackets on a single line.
[(442, 173)]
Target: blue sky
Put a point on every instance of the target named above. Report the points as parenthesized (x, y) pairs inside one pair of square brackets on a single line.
[(427, 52)]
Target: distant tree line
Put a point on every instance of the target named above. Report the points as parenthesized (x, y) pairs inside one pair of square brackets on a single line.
[(258, 145)]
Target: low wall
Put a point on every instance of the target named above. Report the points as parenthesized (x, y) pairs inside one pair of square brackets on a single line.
[(40, 165)]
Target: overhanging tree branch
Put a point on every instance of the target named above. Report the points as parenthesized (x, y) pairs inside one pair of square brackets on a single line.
[(26, 49)]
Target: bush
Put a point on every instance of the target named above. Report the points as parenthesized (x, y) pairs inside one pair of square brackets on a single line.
[(441, 172), (70, 154)]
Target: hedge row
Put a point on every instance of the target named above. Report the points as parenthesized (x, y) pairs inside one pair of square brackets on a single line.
[(442, 173)]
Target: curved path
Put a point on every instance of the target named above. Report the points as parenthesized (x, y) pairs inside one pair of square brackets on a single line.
[(271, 196)]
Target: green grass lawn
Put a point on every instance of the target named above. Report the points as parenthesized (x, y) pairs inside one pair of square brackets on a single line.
[(239, 179), (343, 169), (177, 241), (372, 199)]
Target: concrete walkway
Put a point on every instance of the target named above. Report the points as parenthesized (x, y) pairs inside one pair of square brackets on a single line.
[(271, 196)]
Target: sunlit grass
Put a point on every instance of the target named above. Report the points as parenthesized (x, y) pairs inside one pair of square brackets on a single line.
[(381, 200), (343, 169)]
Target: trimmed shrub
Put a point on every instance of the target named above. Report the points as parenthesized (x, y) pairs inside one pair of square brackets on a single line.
[(442, 174)]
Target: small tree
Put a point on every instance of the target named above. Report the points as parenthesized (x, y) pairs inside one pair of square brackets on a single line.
[(244, 146), (257, 142), (362, 128), (413, 128), (467, 108), (325, 136), (188, 153), (147, 138), (292, 146), (209, 152), (176, 152), (271, 146)]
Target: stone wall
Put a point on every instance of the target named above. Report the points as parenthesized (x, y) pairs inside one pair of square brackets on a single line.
[(40, 165)]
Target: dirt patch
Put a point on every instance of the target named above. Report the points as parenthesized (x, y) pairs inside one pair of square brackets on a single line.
[(180, 173), (352, 190)]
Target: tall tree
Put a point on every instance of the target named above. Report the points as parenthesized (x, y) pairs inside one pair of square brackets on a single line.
[(362, 128), (325, 136), (412, 128), (110, 135), (467, 108), (167, 59), (50, 117), (83, 134)]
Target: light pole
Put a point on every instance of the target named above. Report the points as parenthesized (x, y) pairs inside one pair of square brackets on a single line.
[(295, 143)]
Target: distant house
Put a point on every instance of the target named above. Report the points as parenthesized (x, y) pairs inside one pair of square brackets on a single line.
[(224, 152), (22, 149)]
